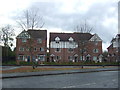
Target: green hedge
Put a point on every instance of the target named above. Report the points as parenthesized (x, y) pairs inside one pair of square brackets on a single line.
[(81, 63), (62, 63), (25, 63)]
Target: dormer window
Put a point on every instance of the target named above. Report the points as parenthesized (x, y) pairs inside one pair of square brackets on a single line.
[(57, 39), (70, 39)]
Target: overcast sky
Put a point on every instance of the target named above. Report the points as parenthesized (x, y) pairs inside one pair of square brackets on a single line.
[(64, 15)]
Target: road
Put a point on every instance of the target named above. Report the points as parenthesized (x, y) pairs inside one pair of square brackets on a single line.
[(106, 79)]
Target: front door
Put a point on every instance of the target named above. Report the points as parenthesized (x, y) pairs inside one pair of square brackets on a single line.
[(52, 60), (28, 58), (75, 59)]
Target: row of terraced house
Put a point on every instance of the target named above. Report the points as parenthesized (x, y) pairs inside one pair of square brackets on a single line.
[(31, 45)]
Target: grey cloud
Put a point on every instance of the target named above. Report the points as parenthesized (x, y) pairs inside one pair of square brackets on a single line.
[(95, 17)]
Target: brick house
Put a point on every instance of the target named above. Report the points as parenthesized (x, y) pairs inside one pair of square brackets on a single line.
[(75, 47), (31, 45), (114, 49)]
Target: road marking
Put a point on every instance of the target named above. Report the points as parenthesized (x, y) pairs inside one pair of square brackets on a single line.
[(79, 85)]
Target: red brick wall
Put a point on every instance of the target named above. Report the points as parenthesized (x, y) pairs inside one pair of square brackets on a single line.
[(112, 57), (89, 46), (19, 43)]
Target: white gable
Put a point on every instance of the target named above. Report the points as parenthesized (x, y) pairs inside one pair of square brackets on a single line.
[(95, 38), (57, 39), (23, 34), (70, 39)]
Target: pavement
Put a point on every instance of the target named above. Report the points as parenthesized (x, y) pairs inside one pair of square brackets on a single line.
[(56, 72)]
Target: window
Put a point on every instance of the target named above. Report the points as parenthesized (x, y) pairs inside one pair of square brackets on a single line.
[(70, 58), (41, 49), (82, 58), (94, 58), (58, 57), (24, 40), (57, 49), (27, 49), (96, 43), (21, 49), (83, 50), (39, 40), (70, 49), (57, 42), (95, 50), (41, 57), (21, 57), (70, 40)]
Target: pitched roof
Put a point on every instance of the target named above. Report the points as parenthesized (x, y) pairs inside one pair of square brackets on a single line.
[(66, 36), (38, 33), (34, 34), (111, 46)]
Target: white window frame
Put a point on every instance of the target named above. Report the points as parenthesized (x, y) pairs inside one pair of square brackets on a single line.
[(21, 49), (70, 58), (39, 40), (24, 40), (95, 50), (23, 57), (95, 58), (42, 49), (58, 57), (81, 58), (41, 57), (69, 50), (57, 50)]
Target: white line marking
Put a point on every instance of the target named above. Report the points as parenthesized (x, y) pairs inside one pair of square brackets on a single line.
[(79, 85)]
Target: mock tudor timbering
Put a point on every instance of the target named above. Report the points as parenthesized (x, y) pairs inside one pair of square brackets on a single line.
[(63, 47), (75, 47), (31, 45)]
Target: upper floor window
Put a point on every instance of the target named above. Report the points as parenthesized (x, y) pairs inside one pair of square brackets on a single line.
[(57, 49), (21, 49), (24, 40), (96, 43), (95, 50), (70, 49), (41, 49), (57, 39), (70, 39), (39, 40)]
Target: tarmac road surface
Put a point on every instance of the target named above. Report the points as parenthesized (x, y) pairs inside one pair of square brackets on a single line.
[(105, 79)]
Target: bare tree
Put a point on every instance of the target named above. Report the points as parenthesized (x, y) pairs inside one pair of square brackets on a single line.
[(83, 28), (82, 44), (30, 19), (6, 35)]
